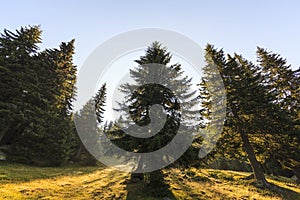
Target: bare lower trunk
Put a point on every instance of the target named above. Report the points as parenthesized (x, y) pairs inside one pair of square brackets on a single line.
[(2, 134), (296, 171), (136, 177), (77, 156), (256, 167)]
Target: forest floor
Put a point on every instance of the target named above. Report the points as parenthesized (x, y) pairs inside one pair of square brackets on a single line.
[(78, 182)]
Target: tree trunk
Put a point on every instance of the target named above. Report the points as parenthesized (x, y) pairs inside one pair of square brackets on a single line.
[(78, 153), (255, 165), (296, 171), (2, 136), (137, 177)]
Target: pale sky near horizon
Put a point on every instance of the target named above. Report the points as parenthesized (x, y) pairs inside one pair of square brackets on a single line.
[(235, 26)]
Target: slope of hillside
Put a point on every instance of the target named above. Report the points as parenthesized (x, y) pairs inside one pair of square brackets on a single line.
[(77, 182)]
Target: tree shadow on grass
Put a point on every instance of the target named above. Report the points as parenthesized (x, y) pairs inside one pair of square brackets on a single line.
[(285, 192), (273, 189), (153, 188)]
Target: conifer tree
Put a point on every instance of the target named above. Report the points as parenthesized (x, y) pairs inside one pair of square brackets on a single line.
[(86, 124), (249, 106), (16, 51), (169, 80), (283, 86), (100, 99), (38, 128)]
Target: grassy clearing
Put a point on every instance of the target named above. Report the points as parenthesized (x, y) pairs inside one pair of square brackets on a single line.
[(77, 182), (221, 184)]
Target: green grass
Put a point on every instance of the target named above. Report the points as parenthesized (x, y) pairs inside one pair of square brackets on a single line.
[(12, 173), (78, 182)]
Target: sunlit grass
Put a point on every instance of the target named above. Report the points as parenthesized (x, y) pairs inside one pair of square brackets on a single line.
[(77, 182), (61, 183), (223, 184)]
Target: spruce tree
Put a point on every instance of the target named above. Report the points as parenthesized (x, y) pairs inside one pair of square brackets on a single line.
[(283, 86), (168, 80), (100, 99), (16, 51), (38, 128), (87, 125), (249, 106)]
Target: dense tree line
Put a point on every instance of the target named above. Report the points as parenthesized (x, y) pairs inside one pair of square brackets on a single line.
[(262, 112), (262, 120), (37, 90)]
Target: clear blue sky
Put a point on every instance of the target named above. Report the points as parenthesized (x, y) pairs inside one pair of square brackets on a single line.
[(236, 26)]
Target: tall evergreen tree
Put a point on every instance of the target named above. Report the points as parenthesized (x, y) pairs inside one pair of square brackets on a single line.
[(283, 85), (16, 51), (100, 99), (250, 109), (86, 124), (157, 82), (39, 98)]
